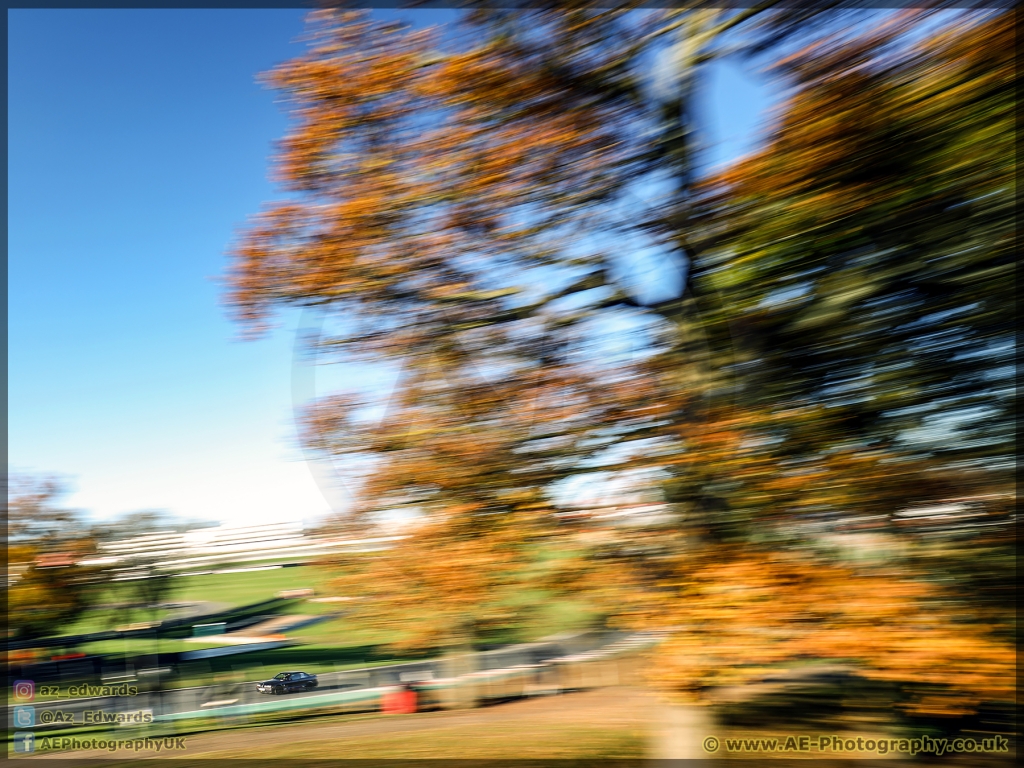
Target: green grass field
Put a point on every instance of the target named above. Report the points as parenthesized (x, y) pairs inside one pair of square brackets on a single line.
[(227, 590), (340, 643), (223, 590), (248, 587)]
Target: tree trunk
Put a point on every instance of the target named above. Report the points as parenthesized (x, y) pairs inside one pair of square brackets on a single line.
[(681, 732), (460, 661)]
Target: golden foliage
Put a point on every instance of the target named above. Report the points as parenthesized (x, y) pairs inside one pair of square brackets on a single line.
[(746, 615)]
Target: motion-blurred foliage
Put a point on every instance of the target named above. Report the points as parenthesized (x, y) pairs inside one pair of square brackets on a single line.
[(838, 358)]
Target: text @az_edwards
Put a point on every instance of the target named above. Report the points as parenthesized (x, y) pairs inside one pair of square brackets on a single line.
[(97, 716), (840, 744)]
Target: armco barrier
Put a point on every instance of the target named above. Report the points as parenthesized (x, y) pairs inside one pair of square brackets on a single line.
[(364, 699)]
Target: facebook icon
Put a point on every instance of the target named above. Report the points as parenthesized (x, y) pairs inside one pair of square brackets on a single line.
[(24, 741)]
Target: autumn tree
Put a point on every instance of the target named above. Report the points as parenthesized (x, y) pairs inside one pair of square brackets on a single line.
[(46, 544), (473, 204)]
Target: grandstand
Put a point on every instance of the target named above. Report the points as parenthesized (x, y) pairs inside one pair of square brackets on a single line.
[(206, 547)]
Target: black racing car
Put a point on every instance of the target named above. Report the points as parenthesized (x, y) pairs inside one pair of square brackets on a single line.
[(288, 682)]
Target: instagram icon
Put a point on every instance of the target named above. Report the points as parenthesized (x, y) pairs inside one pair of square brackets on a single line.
[(24, 690)]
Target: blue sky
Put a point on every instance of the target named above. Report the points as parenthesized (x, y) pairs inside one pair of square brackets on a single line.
[(138, 143)]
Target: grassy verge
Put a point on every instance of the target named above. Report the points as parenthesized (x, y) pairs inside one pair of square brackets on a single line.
[(599, 725), (550, 741), (546, 741)]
